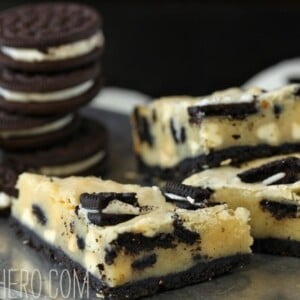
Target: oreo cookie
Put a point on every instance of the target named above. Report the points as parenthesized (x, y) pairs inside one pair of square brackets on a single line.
[(237, 111), (46, 94), (84, 153), (23, 132), (102, 219), (50, 37), (98, 201), (95, 203)]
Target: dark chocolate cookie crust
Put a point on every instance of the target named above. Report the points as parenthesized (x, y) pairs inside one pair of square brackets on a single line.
[(43, 83), (39, 141), (89, 139), (200, 272), (47, 24), (50, 108), (277, 247), (52, 66), (237, 155)]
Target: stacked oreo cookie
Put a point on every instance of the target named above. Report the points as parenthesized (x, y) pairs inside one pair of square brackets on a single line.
[(49, 68)]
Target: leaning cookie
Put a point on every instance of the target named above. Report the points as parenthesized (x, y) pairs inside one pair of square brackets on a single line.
[(50, 37), (84, 153), (45, 94)]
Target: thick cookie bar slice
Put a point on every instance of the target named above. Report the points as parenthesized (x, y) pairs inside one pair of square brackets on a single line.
[(128, 238), (269, 189), (173, 137)]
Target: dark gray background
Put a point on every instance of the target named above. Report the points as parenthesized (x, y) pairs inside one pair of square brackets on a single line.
[(193, 47)]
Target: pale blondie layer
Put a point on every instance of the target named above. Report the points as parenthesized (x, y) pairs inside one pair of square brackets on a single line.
[(129, 239), (174, 136)]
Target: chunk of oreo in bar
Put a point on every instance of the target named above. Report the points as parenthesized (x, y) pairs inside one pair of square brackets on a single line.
[(99, 201), (95, 201), (290, 166), (143, 129), (197, 193), (178, 134), (277, 109), (192, 198), (103, 219), (80, 242), (233, 110), (144, 262), (280, 210), (183, 234), (39, 214)]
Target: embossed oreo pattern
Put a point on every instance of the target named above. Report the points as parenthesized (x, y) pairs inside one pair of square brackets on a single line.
[(47, 24)]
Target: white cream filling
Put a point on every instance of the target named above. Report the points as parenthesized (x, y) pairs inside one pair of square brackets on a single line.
[(65, 51), (180, 198), (5, 200), (56, 125), (73, 168), (273, 178), (60, 95), (244, 98)]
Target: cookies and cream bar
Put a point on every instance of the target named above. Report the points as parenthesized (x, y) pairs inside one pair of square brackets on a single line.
[(175, 136), (269, 189), (129, 239)]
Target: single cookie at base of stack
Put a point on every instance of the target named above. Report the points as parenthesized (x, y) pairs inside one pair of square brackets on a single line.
[(173, 138), (50, 37), (129, 240), (269, 188)]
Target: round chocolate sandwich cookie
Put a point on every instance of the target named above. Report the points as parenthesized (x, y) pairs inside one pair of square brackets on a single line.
[(23, 132), (85, 153), (45, 94), (50, 36)]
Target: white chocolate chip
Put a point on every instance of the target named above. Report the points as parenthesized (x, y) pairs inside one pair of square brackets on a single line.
[(273, 178)]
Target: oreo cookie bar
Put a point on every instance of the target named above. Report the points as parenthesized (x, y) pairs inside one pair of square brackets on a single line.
[(50, 37), (24, 132), (269, 189), (175, 137), (48, 94), (126, 241)]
